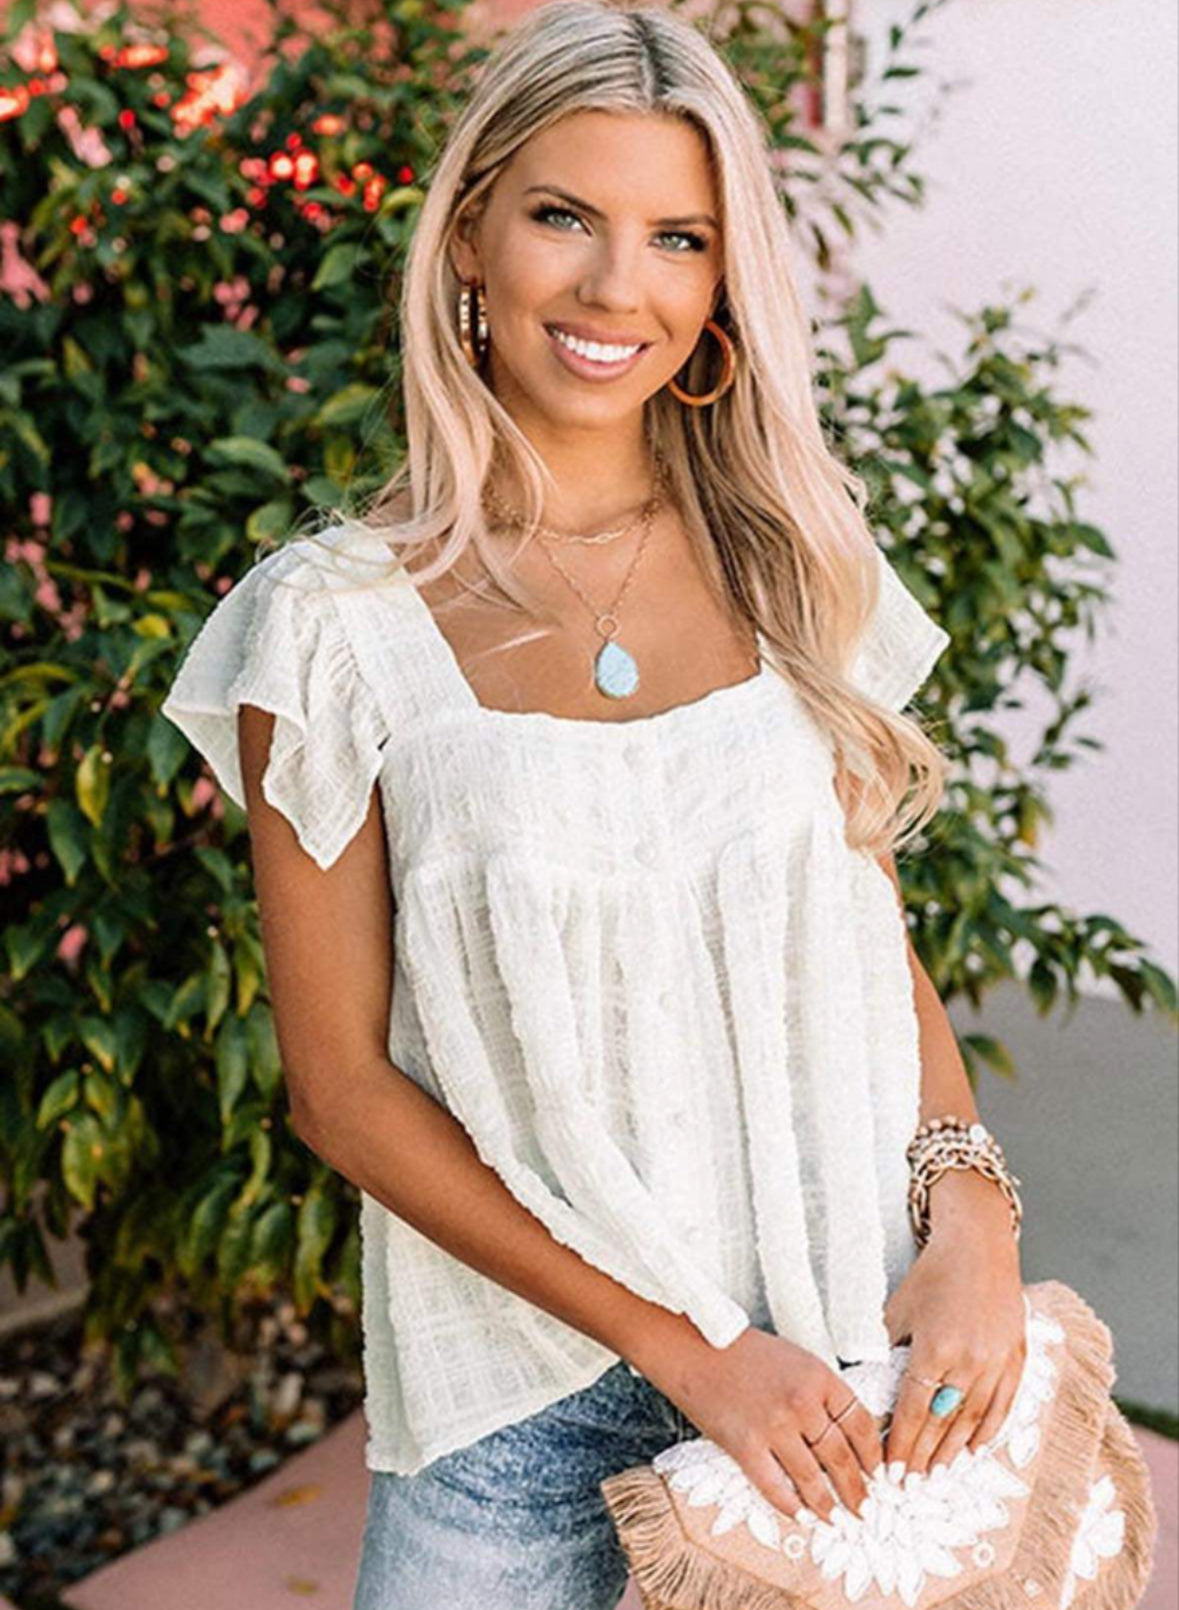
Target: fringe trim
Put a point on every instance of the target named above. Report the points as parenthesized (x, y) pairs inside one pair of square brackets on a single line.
[(669, 1570), (1122, 1582), (1072, 1434), (1086, 1434)]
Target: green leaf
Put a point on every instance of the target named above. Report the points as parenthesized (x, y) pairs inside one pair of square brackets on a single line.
[(315, 1227), (273, 1233), (206, 1225), (59, 1099), (102, 1097), (217, 992), (98, 1036), (83, 1153), (337, 264), (223, 347), (18, 779), (270, 520), (265, 1062), (233, 1064), (92, 783), (346, 407), (26, 943), (69, 838), (166, 748), (250, 452), (233, 1250), (993, 1053)]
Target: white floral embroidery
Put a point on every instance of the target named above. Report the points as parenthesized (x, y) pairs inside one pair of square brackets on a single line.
[(908, 1531), (1099, 1537)]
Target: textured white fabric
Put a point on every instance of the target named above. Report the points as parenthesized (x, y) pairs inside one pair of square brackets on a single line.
[(637, 961)]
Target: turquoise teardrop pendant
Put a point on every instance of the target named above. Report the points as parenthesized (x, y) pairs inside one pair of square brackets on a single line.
[(615, 672)]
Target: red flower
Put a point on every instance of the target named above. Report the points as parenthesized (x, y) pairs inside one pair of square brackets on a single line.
[(306, 169), (14, 99), (140, 55)]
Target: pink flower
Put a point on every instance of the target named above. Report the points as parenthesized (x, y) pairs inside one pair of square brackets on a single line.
[(33, 49), (87, 143), (18, 278), (48, 596), (204, 792), (72, 942)]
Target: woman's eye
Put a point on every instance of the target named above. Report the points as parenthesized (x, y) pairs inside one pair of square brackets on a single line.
[(697, 243)]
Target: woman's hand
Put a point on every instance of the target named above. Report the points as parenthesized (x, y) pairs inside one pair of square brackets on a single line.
[(763, 1400), (961, 1305)]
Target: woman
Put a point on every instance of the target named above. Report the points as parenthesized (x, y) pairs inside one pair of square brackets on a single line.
[(573, 834)]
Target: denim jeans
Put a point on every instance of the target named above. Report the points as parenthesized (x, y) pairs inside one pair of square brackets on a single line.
[(516, 1521)]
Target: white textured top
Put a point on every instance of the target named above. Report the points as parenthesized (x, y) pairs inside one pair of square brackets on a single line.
[(634, 958)]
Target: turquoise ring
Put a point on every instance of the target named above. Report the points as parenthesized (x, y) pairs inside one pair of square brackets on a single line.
[(945, 1400)]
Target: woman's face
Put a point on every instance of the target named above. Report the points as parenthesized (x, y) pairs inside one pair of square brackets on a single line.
[(577, 233)]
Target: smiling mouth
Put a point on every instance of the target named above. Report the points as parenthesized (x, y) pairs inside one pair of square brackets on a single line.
[(591, 367)]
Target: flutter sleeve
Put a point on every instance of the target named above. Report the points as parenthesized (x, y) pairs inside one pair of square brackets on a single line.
[(277, 640), (900, 646)]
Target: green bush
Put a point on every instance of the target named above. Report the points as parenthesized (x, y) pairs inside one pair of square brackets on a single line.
[(201, 347)]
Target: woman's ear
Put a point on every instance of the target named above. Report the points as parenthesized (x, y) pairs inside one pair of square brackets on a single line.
[(464, 250)]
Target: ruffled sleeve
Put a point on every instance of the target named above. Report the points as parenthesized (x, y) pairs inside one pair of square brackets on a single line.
[(900, 646), (277, 640)]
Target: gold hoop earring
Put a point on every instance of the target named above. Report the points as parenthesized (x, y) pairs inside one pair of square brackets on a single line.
[(728, 371), (474, 344)]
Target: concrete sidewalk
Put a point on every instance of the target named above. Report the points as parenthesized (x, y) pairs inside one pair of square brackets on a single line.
[(295, 1538)]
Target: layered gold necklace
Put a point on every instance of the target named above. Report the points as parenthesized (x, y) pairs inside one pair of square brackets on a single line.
[(616, 672)]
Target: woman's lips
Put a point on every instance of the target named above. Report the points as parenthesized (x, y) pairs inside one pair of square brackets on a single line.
[(587, 367)]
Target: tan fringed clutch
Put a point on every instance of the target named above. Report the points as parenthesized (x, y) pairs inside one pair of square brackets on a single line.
[(1055, 1513)]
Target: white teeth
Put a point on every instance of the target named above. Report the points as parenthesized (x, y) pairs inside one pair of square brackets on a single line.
[(594, 349)]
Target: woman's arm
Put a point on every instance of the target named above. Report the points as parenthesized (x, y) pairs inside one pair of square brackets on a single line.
[(961, 1301), (327, 937), (960, 1197)]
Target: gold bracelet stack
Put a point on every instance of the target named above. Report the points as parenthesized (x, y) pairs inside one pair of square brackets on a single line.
[(950, 1142)]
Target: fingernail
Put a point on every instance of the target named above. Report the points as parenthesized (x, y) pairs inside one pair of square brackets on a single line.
[(876, 1469), (896, 1471), (806, 1514)]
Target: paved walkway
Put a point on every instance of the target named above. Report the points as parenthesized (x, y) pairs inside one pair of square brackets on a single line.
[(294, 1539)]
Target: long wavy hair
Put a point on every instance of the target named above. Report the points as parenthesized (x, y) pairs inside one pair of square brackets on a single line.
[(776, 518)]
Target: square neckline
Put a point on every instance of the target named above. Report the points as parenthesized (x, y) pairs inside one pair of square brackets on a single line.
[(707, 700)]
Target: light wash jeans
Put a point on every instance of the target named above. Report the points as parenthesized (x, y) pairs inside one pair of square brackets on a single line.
[(516, 1521)]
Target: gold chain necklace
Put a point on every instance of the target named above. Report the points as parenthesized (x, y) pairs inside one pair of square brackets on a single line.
[(512, 517), (616, 673)]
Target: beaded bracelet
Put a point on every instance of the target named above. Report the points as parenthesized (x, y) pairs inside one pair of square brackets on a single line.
[(950, 1142)]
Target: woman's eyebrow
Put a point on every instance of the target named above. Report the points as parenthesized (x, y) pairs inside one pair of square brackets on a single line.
[(555, 190)]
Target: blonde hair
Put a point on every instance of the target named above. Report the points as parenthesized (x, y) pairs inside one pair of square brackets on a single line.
[(776, 518)]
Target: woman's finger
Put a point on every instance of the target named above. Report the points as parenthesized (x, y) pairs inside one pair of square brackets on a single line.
[(860, 1429), (966, 1419), (835, 1454), (1000, 1406), (934, 1427), (923, 1373), (807, 1474), (775, 1484)]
